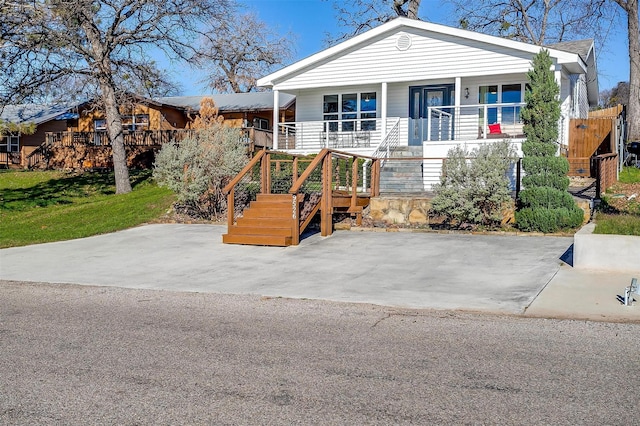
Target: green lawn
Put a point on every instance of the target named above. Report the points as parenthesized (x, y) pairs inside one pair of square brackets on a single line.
[(630, 175), (619, 212), (38, 207)]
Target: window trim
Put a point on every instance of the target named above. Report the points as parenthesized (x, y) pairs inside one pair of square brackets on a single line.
[(358, 115)]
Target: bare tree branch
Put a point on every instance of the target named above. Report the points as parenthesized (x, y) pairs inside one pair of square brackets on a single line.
[(243, 50), (358, 16), (44, 43)]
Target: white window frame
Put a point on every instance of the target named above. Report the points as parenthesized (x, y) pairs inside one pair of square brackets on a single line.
[(346, 117), (10, 143)]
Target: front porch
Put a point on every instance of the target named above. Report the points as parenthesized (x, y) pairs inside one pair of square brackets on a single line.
[(467, 124)]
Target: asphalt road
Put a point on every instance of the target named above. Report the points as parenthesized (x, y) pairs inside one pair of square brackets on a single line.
[(105, 355)]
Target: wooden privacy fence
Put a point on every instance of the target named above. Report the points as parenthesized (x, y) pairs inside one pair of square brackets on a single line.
[(612, 112), (588, 137), (597, 135), (606, 172)]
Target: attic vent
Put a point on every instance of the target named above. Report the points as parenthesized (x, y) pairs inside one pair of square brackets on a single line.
[(403, 42)]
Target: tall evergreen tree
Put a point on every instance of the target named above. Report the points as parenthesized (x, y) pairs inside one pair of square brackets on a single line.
[(544, 204)]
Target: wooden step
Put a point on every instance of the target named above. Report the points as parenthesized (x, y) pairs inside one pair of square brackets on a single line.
[(257, 240), (270, 205), (275, 198), (253, 230), (268, 213), (264, 222)]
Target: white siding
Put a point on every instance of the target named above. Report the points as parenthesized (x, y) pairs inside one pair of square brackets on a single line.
[(431, 56), (434, 152)]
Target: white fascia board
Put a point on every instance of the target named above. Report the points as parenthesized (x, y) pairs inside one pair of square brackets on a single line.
[(561, 57)]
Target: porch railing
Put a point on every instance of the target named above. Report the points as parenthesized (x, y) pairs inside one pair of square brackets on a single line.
[(258, 138), (469, 122), (9, 158), (360, 134)]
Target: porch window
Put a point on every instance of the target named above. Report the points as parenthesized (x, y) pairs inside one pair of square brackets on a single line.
[(511, 93), (100, 125), (10, 143), (349, 111), (135, 122), (330, 111), (488, 95), (368, 108), (261, 123), (349, 107)]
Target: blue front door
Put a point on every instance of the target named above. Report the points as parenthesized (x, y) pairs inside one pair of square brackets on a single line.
[(420, 99)]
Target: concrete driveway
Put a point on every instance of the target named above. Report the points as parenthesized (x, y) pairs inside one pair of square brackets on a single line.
[(411, 270)]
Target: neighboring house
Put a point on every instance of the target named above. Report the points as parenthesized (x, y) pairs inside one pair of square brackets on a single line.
[(423, 85), (48, 118), (81, 122), (241, 110), (253, 112), (146, 121)]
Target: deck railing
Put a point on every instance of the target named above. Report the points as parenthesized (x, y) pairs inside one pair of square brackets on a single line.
[(353, 134), (469, 122), (9, 158), (131, 138)]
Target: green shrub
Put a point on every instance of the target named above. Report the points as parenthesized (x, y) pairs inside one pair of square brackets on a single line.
[(560, 183), (558, 166), (548, 220), (545, 197), (475, 191), (197, 169), (544, 204)]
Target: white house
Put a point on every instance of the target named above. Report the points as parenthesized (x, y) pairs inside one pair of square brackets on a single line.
[(415, 83)]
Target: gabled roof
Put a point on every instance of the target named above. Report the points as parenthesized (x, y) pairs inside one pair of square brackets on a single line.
[(586, 50), (401, 23), (34, 113), (580, 47), (232, 102)]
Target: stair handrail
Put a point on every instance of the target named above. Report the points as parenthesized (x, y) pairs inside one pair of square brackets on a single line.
[(229, 191), (295, 188), (388, 143), (39, 153), (255, 160)]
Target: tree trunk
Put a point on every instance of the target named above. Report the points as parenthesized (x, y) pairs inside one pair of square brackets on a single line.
[(633, 109), (116, 136)]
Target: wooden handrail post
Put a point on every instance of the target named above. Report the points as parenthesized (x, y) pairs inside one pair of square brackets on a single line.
[(264, 174), (294, 170), (326, 225), (375, 177), (295, 219), (354, 183), (230, 208)]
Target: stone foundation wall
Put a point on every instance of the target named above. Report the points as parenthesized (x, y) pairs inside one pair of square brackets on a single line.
[(415, 211), (400, 210)]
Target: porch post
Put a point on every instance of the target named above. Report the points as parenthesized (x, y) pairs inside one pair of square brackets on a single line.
[(276, 118), (383, 109), (456, 109)]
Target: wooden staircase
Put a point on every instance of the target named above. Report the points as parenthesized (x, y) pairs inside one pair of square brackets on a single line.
[(267, 222), (280, 219)]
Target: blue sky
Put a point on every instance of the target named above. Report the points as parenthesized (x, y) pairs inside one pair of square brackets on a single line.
[(310, 20)]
